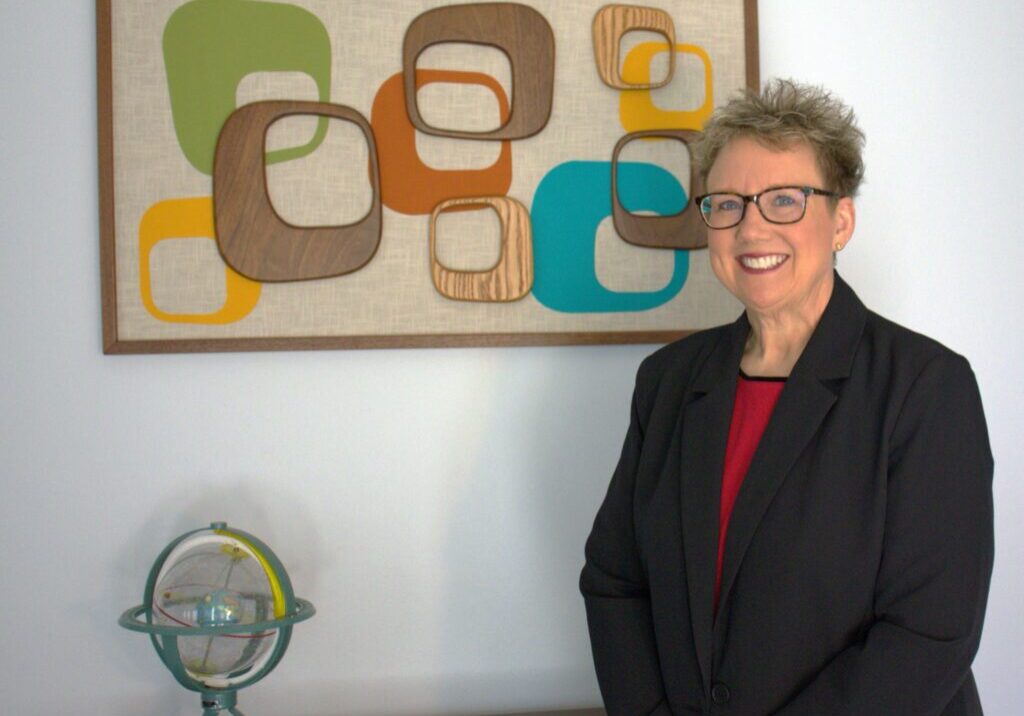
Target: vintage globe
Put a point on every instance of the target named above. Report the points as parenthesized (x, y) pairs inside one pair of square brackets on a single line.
[(219, 609)]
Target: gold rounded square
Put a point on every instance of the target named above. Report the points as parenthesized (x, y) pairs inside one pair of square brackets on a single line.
[(511, 277)]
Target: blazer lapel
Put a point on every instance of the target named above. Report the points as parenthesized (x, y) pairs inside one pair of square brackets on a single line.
[(796, 418), (805, 401), (705, 427)]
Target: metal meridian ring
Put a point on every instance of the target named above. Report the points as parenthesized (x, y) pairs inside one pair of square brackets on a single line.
[(131, 620)]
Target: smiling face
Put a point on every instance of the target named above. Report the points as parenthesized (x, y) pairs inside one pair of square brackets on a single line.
[(775, 269)]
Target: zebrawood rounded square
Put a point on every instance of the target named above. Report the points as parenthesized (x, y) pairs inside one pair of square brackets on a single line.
[(683, 230), (511, 277), (253, 238), (519, 31), (612, 22)]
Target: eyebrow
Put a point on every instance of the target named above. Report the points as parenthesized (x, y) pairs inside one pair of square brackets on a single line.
[(756, 193)]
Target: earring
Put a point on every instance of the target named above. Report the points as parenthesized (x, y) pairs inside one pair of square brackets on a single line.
[(839, 246)]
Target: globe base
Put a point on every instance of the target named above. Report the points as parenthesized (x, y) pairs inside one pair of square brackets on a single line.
[(216, 702)]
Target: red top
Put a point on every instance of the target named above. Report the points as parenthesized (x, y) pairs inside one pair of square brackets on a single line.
[(755, 400)]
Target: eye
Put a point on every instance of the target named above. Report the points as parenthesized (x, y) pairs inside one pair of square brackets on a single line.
[(783, 200), (727, 203)]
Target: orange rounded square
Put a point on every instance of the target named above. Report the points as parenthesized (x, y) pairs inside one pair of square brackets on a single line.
[(408, 185)]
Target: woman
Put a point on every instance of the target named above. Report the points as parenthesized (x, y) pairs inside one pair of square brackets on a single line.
[(800, 522)]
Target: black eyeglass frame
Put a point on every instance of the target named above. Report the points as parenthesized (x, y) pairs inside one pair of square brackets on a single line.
[(754, 199)]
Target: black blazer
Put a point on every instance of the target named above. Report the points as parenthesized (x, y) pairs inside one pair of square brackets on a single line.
[(859, 550)]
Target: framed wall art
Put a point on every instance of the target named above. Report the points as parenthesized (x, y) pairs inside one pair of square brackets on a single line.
[(322, 174)]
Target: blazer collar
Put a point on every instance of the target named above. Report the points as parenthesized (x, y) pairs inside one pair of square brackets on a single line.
[(830, 352), (805, 401)]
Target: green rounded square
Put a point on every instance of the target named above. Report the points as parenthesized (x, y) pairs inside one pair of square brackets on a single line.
[(210, 45)]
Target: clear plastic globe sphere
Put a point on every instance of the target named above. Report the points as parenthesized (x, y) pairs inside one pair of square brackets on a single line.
[(215, 583)]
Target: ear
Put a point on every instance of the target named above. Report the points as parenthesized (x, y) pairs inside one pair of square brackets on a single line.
[(845, 221)]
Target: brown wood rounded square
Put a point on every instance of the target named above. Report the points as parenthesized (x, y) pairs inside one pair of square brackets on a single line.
[(511, 277), (519, 31), (683, 230), (611, 22), (253, 239)]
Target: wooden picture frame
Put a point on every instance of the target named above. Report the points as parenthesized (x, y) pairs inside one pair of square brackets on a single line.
[(337, 244)]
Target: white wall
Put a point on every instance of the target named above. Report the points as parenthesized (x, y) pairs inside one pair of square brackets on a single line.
[(433, 503)]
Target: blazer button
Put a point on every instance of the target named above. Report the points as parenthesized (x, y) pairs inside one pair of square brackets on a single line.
[(720, 693)]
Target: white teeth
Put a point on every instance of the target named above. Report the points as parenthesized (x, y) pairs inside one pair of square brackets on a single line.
[(762, 262)]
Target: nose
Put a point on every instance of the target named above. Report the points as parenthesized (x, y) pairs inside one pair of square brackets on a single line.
[(753, 225)]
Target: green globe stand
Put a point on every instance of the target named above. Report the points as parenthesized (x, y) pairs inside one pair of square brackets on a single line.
[(227, 599)]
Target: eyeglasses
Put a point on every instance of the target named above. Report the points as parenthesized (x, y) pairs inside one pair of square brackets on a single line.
[(778, 205)]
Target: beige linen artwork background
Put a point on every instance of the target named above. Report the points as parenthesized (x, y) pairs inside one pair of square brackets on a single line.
[(167, 287)]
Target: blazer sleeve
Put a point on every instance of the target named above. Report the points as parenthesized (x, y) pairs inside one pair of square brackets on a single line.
[(933, 579), (614, 587)]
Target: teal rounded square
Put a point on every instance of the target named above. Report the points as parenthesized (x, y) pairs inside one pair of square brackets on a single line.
[(569, 205)]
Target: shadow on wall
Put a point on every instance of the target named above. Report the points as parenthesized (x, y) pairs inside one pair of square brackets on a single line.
[(518, 502), (513, 621), (395, 696)]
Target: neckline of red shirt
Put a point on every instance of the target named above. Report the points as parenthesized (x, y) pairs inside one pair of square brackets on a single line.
[(762, 378)]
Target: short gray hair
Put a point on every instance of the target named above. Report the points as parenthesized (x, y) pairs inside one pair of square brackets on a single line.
[(785, 113)]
